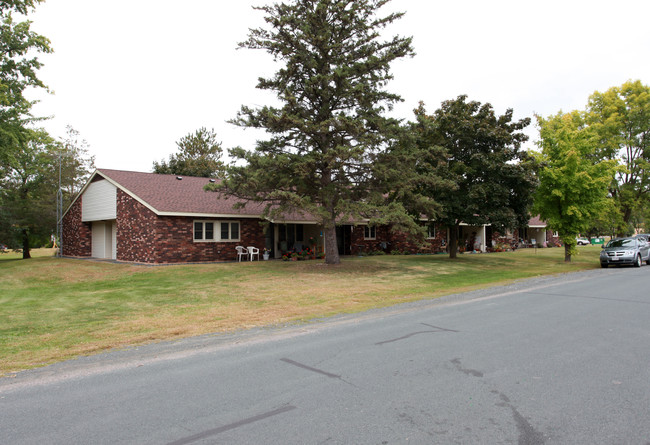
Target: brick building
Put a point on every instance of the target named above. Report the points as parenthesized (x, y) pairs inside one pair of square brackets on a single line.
[(152, 218)]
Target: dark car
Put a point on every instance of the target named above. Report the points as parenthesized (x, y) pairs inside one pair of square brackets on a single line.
[(625, 251)]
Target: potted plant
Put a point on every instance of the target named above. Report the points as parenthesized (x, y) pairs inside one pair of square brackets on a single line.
[(266, 253)]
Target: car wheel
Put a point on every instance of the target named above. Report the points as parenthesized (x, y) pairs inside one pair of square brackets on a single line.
[(637, 263)]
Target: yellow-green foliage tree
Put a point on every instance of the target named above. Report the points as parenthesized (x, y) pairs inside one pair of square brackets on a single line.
[(574, 180), (621, 118)]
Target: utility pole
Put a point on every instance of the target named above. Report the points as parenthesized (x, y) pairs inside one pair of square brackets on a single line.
[(59, 211)]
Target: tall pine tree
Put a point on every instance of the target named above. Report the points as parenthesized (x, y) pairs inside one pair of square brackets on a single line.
[(331, 125)]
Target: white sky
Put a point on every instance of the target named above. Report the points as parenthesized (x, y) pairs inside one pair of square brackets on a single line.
[(134, 76)]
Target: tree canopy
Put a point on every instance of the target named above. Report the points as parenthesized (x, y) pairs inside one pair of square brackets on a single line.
[(27, 198), (199, 154), (330, 126), (22, 149), (29, 184), (573, 177), (471, 167), (19, 47), (621, 118)]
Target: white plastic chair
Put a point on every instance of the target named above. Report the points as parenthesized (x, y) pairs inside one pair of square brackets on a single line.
[(253, 251), (241, 251)]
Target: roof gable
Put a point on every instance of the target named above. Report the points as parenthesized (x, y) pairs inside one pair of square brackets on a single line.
[(171, 195), (178, 195), (536, 222)]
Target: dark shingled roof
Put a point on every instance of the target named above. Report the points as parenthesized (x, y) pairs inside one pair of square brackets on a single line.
[(166, 194)]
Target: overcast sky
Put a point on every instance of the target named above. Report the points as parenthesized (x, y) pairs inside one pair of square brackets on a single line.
[(134, 76)]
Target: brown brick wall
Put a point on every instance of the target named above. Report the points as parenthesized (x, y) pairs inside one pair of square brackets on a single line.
[(357, 243), (76, 236), (401, 242), (136, 230), (144, 237), (175, 241), (552, 241), (397, 241)]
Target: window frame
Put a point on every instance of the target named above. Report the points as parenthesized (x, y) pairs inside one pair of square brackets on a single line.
[(230, 238), (217, 226), (431, 231), (369, 233)]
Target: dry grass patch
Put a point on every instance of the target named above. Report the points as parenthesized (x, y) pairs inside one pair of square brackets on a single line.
[(53, 309)]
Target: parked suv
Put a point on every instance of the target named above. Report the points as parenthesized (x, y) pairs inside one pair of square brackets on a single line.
[(625, 251)]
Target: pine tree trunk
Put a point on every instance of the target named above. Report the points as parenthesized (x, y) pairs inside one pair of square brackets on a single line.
[(331, 246)]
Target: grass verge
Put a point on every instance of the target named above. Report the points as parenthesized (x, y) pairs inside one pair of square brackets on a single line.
[(54, 309)]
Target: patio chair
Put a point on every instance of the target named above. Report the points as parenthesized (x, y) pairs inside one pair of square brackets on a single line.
[(241, 251), (252, 251)]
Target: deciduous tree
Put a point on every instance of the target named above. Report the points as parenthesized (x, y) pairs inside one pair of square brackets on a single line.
[(330, 125), (573, 179), (29, 184), (19, 64), (621, 118), (27, 198), (77, 164), (20, 147), (483, 176)]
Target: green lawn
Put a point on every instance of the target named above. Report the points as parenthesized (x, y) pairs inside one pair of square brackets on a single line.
[(54, 309)]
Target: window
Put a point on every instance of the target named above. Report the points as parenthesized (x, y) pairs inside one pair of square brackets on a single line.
[(198, 230), (230, 231), (209, 230), (431, 231), (216, 231), (369, 232)]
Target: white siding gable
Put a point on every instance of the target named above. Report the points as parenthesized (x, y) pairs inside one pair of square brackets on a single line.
[(99, 202)]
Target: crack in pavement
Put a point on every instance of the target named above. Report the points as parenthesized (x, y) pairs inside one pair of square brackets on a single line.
[(404, 337), (221, 429), (316, 370)]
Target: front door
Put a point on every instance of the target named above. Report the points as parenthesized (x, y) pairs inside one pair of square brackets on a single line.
[(104, 239), (343, 239)]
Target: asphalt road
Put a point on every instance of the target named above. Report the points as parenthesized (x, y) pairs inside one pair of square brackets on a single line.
[(561, 360)]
